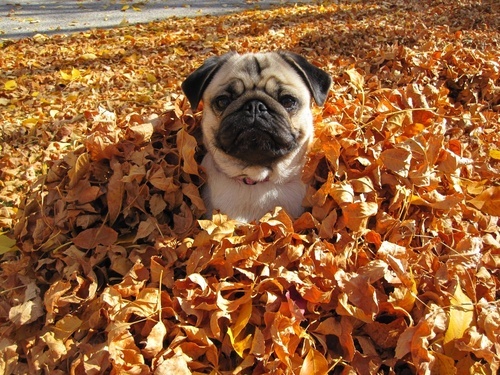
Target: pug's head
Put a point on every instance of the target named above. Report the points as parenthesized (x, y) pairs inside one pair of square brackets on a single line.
[(256, 109)]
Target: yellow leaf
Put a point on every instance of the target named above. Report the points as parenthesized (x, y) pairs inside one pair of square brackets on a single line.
[(241, 322), (180, 51), (125, 7), (244, 316), (240, 345), (7, 244), (65, 327), (495, 154), (151, 78), (10, 85), (65, 76), (75, 74), (315, 363), (30, 121), (460, 318), (88, 56)]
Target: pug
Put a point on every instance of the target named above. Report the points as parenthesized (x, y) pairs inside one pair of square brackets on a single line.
[(257, 126)]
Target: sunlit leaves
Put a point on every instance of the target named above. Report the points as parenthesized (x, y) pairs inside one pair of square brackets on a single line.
[(488, 201), (10, 85), (460, 319), (392, 268)]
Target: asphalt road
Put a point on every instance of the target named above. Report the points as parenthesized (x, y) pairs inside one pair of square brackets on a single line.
[(25, 18)]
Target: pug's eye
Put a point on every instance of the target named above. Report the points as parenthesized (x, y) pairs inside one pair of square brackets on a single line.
[(222, 102), (288, 102)]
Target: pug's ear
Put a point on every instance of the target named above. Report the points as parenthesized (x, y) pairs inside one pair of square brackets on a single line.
[(195, 84), (318, 81)]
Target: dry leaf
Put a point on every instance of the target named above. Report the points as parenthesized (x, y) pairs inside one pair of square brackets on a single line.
[(314, 363), (488, 201), (460, 319), (90, 238), (118, 271)]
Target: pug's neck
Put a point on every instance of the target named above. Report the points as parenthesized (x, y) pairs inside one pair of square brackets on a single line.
[(245, 201)]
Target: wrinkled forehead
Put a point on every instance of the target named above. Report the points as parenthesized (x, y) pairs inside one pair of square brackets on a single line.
[(262, 71)]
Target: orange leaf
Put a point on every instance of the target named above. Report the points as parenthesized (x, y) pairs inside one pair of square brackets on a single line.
[(154, 342), (314, 363), (443, 364), (488, 201), (397, 160)]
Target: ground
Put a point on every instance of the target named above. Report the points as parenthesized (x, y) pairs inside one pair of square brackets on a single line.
[(108, 265)]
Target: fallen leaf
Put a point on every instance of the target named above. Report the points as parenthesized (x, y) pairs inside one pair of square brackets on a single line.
[(488, 201), (90, 238), (314, 363), (460, 319), (7, 244), (10, 85)]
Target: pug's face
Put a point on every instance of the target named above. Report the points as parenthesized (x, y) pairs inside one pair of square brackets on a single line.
[(256, 109)]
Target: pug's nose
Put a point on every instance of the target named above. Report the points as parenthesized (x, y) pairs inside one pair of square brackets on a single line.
[(255, 108)]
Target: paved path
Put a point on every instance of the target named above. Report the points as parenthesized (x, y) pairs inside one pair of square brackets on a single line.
[(24, 18)]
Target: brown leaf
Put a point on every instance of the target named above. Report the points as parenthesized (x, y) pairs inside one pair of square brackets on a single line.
[(90, 238), (141, 133), (79, 170), (186, 144), (115, 191)]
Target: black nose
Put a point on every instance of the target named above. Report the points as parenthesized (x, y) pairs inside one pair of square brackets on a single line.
[(255, 108)]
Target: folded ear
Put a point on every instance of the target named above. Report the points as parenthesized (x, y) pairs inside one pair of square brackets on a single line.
[(196, 83), (318, 80)]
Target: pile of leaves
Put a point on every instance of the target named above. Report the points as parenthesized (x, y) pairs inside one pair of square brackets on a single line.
[(392, 269)]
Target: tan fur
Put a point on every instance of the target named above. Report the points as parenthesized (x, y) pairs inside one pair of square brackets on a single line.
[(279, 182)]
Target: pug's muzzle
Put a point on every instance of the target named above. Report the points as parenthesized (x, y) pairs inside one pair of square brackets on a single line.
[(257, 133)]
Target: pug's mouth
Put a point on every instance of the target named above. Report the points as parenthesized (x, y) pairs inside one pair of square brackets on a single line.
[(256, 134)]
